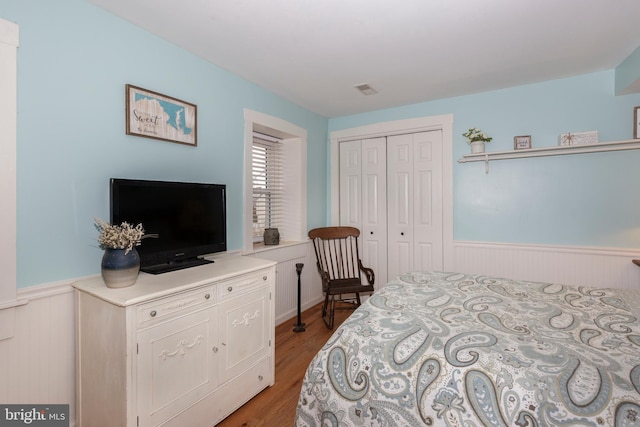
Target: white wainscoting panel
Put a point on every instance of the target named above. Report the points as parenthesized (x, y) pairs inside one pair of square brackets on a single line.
[(37, 365), (287, 257), (38, 362), (599, 267)]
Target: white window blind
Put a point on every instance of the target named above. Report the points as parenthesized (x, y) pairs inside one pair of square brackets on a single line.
[(267, 175)]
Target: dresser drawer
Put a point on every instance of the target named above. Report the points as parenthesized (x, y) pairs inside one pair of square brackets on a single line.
[(161, 309), (243, 284)]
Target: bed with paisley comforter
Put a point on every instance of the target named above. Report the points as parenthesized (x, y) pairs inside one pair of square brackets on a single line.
[(446, 349)]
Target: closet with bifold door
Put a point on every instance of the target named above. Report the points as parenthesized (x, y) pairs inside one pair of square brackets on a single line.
[(391, 188)]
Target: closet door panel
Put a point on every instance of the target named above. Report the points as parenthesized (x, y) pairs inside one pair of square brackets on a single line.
[(423, 259), (374, 256), (374, 207), (400, 209), (350, 184), (427, 196), (391, 189), (352, 201), (399, 257)]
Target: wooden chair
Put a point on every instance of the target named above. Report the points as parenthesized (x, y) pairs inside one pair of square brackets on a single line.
[(339, 265)]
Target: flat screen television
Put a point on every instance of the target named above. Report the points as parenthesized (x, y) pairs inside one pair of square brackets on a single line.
[(186, 220)]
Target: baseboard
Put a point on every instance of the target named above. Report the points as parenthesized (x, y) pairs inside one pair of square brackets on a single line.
[(293, 313)]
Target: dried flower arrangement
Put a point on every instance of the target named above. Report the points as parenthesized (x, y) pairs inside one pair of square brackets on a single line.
[(474, 135), (123, 236)]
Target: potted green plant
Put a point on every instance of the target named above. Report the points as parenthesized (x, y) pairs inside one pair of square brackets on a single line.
[(120, 262), (476, 138)]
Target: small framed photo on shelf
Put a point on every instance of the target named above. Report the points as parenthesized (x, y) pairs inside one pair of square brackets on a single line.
[(522, 142), (636, 123)]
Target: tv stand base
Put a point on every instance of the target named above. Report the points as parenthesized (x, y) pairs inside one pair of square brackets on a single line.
[(175, 265)]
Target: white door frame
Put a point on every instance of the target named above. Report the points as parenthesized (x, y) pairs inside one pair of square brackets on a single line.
[(9, 33), (420, 124)]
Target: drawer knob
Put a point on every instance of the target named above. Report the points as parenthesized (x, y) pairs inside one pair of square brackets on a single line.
[(260, 377), (230, 288), (215, 349), (153, 313), (264, 277), (207, 296)]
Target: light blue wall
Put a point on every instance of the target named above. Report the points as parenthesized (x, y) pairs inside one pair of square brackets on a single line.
[(74, 60), (628, 74), (73, 63), (585, 199)]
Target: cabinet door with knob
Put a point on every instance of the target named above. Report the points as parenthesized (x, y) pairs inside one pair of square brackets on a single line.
[(177, 364), (245, 336)]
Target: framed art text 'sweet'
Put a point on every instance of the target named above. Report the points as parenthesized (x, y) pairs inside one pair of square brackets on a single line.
[(153, 115)]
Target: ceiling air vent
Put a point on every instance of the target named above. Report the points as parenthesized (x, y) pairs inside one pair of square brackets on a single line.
[(366, 89)]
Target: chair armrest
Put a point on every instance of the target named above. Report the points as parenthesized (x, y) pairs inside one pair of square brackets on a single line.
[(371, 277)]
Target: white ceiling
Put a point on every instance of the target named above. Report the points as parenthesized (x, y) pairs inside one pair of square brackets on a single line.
[(312, 52)]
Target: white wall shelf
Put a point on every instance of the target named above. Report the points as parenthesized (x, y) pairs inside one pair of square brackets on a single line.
[(633, 144)]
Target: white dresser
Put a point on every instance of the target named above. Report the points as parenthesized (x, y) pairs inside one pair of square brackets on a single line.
[(184, 348)]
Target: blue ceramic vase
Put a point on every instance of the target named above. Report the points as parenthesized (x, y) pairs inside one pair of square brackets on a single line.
[(120, 270)]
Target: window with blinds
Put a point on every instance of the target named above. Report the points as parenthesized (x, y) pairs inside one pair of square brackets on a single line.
[(267, 175)]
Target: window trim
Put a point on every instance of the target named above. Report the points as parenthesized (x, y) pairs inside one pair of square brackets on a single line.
[(294, 139)]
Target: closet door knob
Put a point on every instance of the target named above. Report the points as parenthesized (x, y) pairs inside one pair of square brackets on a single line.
[(402, 234)]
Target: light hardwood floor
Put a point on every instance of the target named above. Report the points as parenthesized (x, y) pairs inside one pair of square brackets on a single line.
[(276, 406)]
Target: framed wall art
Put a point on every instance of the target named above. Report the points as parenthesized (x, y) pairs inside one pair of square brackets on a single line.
[(522, 142), (636, 123), (153, 115)]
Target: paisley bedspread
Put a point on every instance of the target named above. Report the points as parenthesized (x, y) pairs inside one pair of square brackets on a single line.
[(446, 349)]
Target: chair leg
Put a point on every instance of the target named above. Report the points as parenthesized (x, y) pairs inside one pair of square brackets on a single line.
[(328, 310), (332, 311), (325, 306)]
